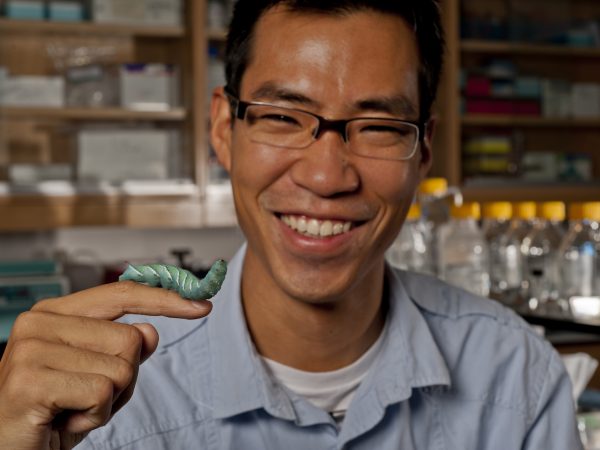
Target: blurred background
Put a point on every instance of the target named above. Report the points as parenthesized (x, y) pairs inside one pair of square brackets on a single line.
[(104, 157)]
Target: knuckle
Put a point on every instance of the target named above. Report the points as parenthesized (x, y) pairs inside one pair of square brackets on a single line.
[(20, 385), (25, 323), (133, 337), (42, 305), (25, 350), (124, 374), (102, 391)]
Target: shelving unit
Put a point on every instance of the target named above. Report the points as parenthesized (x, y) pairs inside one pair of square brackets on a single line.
[(552, 61), (24, 50), (87, 114), (68, 28), (520, 48)]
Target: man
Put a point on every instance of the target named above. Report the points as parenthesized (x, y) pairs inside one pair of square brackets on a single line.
[(313, 342)]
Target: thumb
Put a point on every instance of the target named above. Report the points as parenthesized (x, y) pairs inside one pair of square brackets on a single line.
[(150, 340)]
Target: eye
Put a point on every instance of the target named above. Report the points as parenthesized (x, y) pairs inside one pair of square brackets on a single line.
[(386, 129), (272, 118), (281, 118)]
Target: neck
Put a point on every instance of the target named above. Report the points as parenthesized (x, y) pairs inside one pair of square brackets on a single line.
[(313, 336)]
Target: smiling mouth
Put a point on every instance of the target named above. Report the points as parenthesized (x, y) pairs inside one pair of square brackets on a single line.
[(316, 228)]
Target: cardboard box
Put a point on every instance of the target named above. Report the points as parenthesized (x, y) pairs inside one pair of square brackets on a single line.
[(152, 87), (119, 155), (147, 12), (33, 90)]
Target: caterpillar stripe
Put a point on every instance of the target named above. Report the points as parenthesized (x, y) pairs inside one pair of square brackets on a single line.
[(185, 283)]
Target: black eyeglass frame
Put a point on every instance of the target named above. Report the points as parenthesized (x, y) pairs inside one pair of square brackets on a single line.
[(239, 108)]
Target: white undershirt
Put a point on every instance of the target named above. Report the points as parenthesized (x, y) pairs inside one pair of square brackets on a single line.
[(330, 391)]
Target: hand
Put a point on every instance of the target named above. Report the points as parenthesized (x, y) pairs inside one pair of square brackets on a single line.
[(68, 367)]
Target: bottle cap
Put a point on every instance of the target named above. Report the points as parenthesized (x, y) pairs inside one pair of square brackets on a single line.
[(575, 211), (524, 210), (497, 210), (433, 186), (468, 210), (554, 211), (414, 212), (591, 211)]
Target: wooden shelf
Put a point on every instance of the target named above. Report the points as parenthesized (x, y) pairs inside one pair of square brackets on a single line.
[(516, 48), (36, 212), (522, 191), (527, 121), (214, 34), (90, 28), (177, 114)]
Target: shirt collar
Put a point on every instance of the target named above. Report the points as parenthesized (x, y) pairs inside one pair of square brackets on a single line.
[(240, 381), (410, 341), (409, 358)]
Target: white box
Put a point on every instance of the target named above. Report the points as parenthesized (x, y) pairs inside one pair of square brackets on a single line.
[(119, 155), (151, 87), (32, 90), (556, 99), (585, 98), (33, 173), (145, 12)]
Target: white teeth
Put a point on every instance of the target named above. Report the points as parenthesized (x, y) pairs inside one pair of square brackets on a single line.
[(326, 229), (313, 227), (316, 228), (301, 225)]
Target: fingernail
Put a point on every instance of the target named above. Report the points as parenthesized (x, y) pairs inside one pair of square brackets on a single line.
[(201, 304)]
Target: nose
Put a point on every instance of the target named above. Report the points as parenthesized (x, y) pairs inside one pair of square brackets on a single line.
[(326, 168)]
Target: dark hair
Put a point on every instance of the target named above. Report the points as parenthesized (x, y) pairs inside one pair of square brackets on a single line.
[(422, 15)]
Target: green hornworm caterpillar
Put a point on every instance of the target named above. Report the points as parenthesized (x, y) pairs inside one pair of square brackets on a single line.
[(185, 283)]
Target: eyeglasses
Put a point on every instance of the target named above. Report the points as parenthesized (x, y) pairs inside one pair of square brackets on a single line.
[(371, 137)]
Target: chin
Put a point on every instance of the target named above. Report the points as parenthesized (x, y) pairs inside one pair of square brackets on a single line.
[(314, 289)]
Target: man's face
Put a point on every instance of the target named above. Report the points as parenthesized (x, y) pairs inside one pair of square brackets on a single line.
[(363, 64)]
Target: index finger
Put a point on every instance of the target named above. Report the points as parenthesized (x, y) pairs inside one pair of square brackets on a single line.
[(114, 300)]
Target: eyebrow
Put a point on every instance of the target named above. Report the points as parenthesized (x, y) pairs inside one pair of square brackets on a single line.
[(270, 91), (396, 105)]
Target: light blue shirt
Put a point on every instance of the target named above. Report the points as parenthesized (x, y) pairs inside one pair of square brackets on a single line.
[(456, 372)]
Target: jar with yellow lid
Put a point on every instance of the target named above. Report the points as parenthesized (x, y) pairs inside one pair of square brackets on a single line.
[(521, 224), (580, 254), (496, 222), (463, 251), (411, 248), (436, 197), (540, 252)]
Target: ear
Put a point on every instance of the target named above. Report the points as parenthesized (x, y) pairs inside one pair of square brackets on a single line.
[(220, 129), (426, 147)]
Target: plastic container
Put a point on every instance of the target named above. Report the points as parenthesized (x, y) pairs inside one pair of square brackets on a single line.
[(436, 197), (496, 223), (410, 250), (580, 253), (464, 256), (523, 217), (540, 252)]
